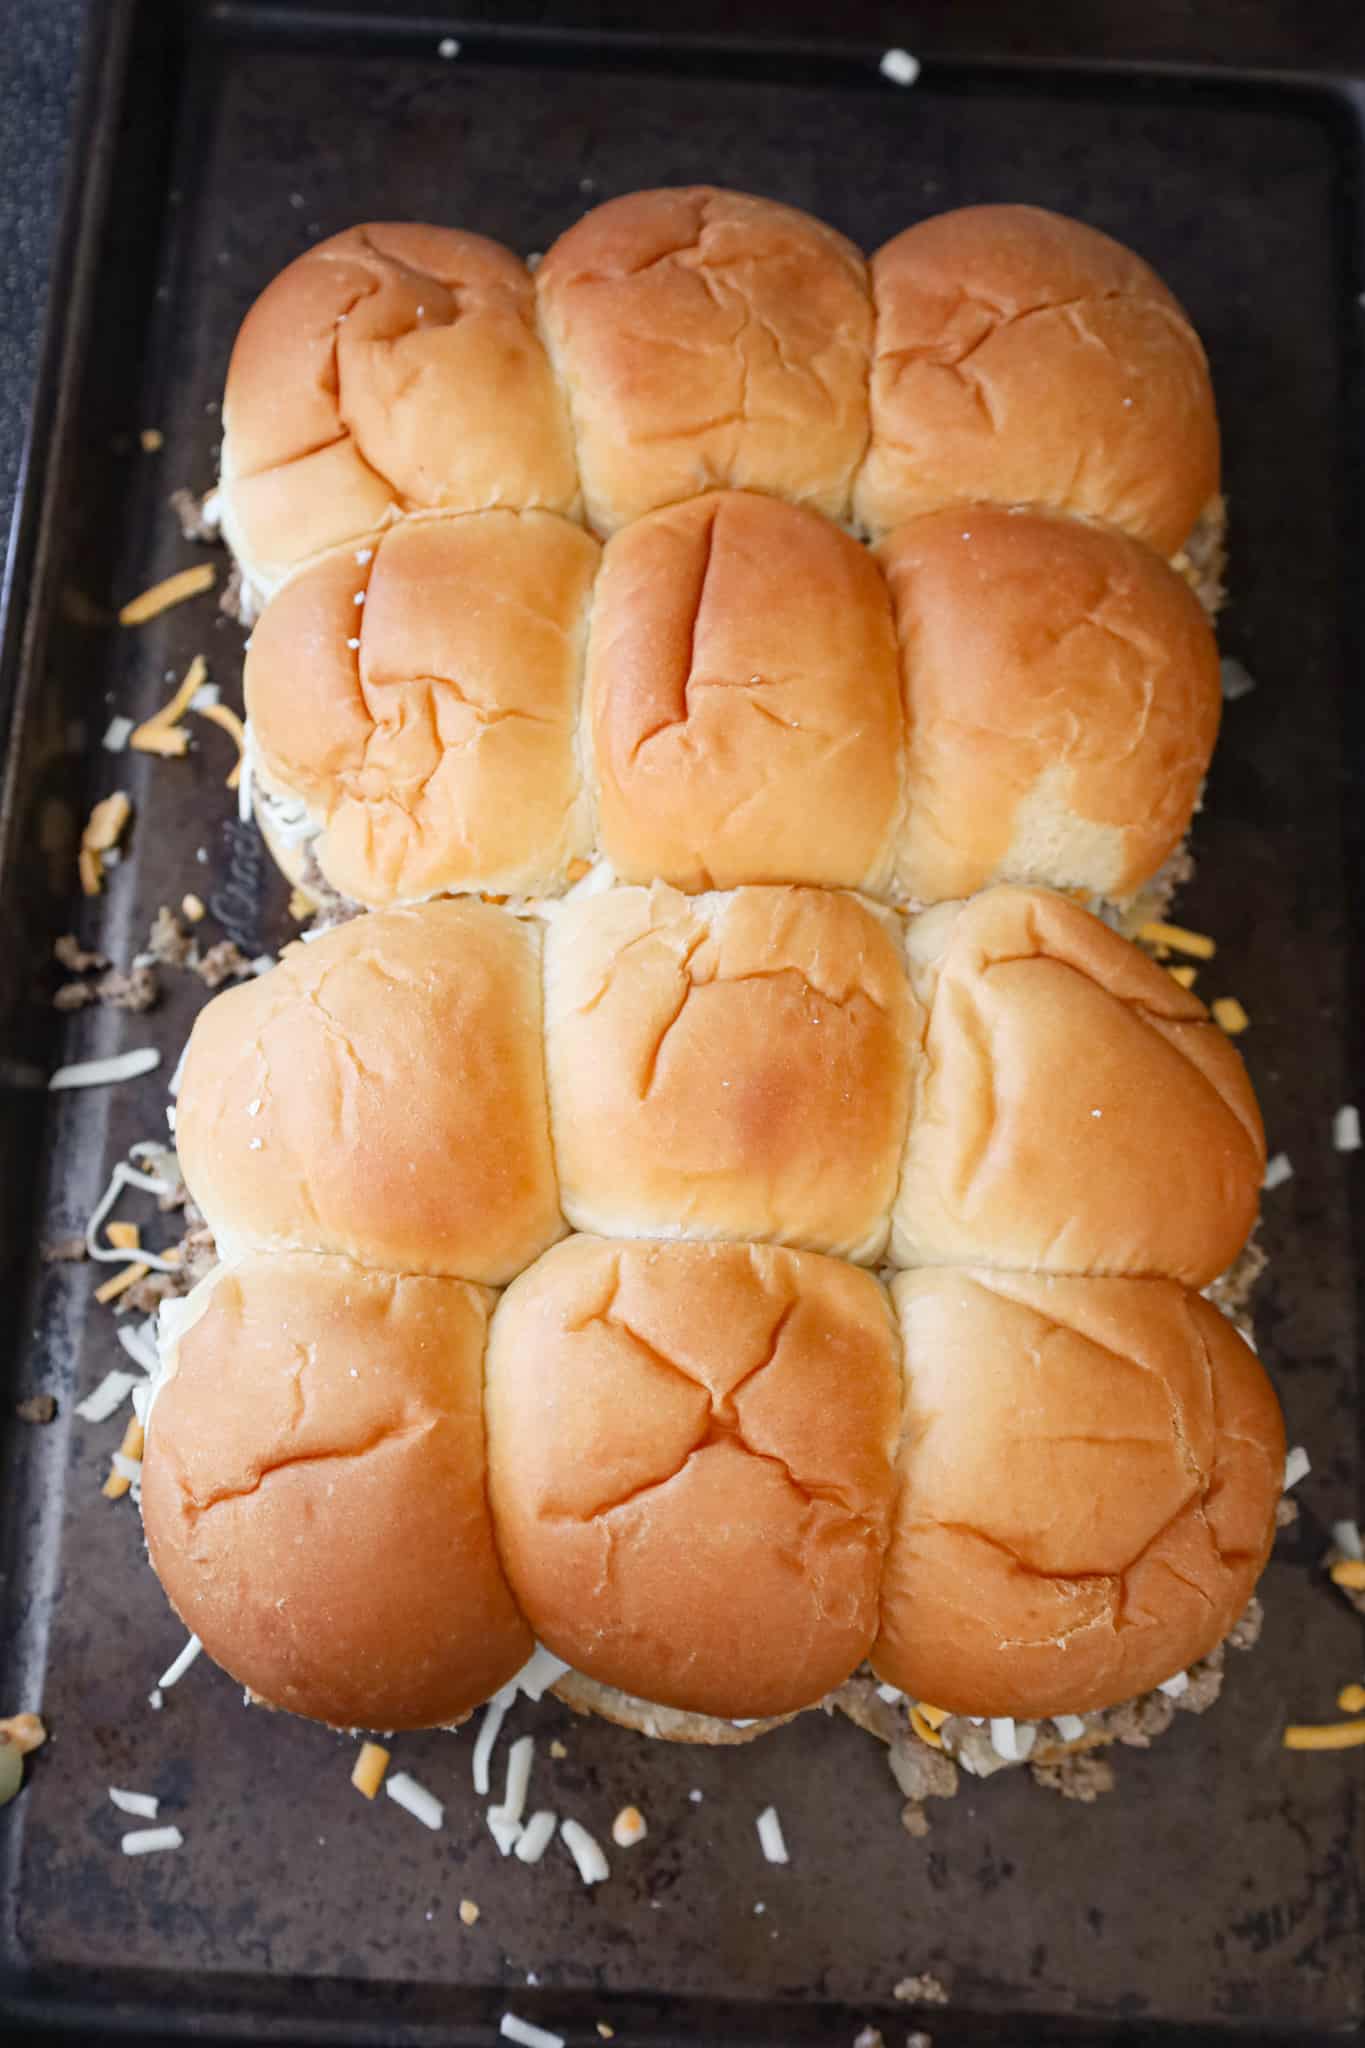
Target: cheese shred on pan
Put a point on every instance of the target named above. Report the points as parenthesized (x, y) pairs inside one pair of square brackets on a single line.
[(1328, 1735), (170, 591), (163, 733), (121, 1066), (513, 2028), (1197, 944), (231, 723)]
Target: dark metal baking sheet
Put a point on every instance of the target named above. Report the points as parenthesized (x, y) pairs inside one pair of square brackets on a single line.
[(1220, 1886)]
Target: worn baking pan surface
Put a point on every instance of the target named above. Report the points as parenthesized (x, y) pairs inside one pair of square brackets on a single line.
[(1220, 1883)]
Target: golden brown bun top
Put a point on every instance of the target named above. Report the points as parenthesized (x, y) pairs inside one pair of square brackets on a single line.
[(743, 699), (1027, 358), (1079, 1112), (1089, 1476), (313, 1492), (690, 1466), (380, 1094), (421, 695), (1064, 697), (708, 337), (412, 353), (729, 1066)]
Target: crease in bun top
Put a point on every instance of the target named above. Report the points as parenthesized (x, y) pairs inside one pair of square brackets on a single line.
[(743, 705), (707, 338), (1024, 357), (393, 368), (419, 697)]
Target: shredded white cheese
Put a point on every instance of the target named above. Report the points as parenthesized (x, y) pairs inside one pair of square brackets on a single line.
[(143, 1805), (143, 1353), (415, 1799), (494, 1714), (128, 1468), (121, 1066), (586, 1852), (1013, 1740), (206, 694), (536, 1837), (540, 1671), (1346, 1128), (123, 1176), (770, 1837), (1173, 1687), (513, 2028), (176, 1670), (900, 67), (518, 1779), (108, 1397), (154, 1699), (504, 1831), (1069, 1726), (1346, 1536), (246, 777), (146, 1841), (116, 733), (1277, 1171), (890, 1693), (1297, 1466)]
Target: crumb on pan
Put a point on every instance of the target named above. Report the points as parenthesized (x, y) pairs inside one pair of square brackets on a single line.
[(924, 1989)]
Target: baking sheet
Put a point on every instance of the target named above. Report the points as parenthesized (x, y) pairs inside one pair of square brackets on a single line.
[(1221, 1883)]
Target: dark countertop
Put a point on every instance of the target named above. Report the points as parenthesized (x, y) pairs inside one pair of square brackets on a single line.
[(42, 39), (42, 44)]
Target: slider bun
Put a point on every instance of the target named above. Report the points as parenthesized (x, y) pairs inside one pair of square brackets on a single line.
[(1063, 693), (1026, 358), (313, 1492), (704, 338), (393, 368), (689, 1460), (441, 750), (728, 1066), (1089, 1475), (379, 1094), (743, 698), (1077, 1110)]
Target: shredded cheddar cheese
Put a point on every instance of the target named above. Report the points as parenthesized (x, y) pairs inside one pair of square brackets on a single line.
[(1229, 1015), (125, 1237), (122, 1281), (134, 1439), (577, 869), (116, 1485), (301, 907), (469, 1912), (1351, 1699), (163, 733), (103, 829), (171, 591), (935, 1716), (1174, 936), (925, 1732), (1349, 1572), (1326, 1735), (25, 1731), (231, 723), (1184, 975), (370, 1766)]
